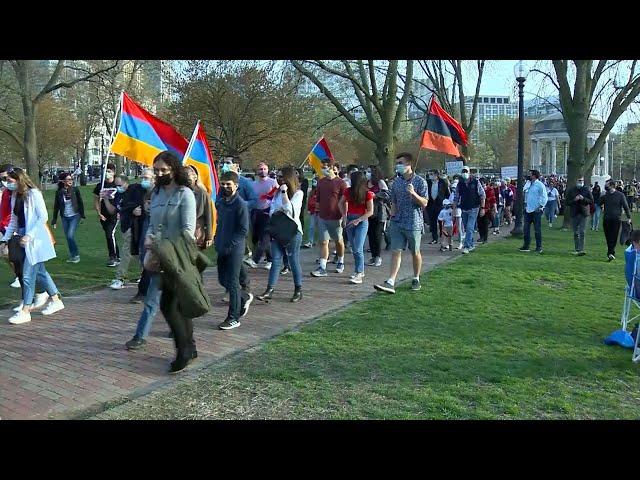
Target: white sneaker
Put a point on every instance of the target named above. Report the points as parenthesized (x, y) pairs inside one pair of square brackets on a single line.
[(39, 300), (117, 284), (20, 317), (250, 262), (465, 250), (267, 266), (15, 284), (356, 278), (378, 262), (53, 307), (19, 307), (461, 246)]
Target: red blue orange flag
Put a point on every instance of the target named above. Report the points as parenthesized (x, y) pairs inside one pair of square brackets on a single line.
[(141, 135), (199, 155), (319, 152)]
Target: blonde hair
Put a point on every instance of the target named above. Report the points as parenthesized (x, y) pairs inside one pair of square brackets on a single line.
[(23, 180)]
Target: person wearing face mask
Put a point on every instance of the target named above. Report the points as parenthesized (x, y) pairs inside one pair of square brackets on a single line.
[(231, 232), (535, 199), (172, 216), (5, 210), (69, 201), (553, 196), (29, 224), (408, 199), (457, 214), (438, 189), (108, 221), (127, 204), (613, 202), (265, 188), (381, 208), (445, 218), (329, 191), (578, 199), (470, 197), (147, 179)]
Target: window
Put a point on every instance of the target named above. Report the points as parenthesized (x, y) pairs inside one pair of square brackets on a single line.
[(95, 152), (485, 100), (493, 100)]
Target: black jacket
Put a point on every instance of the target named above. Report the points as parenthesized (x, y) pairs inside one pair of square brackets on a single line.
[(58, 203), (443, 192), (579, 207), (614, 202)]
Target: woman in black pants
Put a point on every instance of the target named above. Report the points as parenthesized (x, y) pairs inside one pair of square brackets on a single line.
[(380, 213)]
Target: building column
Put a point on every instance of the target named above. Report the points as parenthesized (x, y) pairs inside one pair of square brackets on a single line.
[(566, 155), (533, 153), (605, 154), (554, 155)]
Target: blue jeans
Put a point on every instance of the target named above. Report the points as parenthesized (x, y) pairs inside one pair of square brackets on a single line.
[(70, 224), (498, 217), (595, 220), (313, 224), (293, 252), (31, 273), (469, 219), (151, 306), (550, 210), (536, 219), (357, 236)]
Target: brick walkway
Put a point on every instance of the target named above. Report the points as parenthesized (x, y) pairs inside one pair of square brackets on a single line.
[(74, 364)]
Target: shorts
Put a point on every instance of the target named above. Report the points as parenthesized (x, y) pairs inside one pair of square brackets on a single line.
[(457, 213), (401, 237), (330, 229)]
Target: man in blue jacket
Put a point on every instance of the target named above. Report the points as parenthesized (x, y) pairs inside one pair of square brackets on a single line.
[(231, 233), (535, 200)]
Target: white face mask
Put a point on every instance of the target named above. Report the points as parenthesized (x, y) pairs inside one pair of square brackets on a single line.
[(465, 175), (326, 171)]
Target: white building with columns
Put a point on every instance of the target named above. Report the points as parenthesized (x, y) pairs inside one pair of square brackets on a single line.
[(550, 147)]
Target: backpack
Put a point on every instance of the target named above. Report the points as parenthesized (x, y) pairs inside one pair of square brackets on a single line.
[(282, 227)]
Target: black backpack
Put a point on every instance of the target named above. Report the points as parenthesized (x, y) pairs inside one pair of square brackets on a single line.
[(282, 227)]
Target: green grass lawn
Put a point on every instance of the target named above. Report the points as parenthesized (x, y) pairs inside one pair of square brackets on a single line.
[(91, 272), (497, 334)]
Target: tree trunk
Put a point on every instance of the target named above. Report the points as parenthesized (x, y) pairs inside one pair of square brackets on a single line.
[(119, 163), (386, 151), (577, 129), (30, 149)]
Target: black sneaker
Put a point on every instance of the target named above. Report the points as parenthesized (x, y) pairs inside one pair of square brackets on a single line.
[(245, 306), (135, 343), (524, 249), (582, 253), (539, 251), (179, 364), (137, 298), (229, 324), (112, 263), (385, 287), (415, 284), (284, 270)]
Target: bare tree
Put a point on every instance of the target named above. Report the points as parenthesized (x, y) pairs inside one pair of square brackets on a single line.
[(31, 95), (377, 97)]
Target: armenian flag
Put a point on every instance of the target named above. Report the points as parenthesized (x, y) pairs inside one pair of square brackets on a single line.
[(319, 152), (442, 132), (141, 135), (199, 155)]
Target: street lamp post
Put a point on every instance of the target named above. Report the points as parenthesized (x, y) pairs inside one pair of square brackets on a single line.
[(521, 76)]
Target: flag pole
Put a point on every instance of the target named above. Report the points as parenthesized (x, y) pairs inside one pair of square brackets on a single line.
[(111, 136), (191, 142)]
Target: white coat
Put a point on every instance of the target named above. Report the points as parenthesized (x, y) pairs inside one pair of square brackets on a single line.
[(40, 248)]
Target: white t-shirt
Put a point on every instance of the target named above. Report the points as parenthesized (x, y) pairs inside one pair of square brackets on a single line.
[(446, 216)]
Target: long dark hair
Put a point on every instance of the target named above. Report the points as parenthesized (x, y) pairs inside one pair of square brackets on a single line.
[(376, 174), (359, 188), (290, 178), (61, 178), (180, 175)]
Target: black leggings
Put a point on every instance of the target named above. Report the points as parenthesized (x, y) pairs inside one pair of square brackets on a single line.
[(181, 327), (483, 227), (109, 227)]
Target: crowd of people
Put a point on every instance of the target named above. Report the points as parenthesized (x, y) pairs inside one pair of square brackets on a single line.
[(165, 224)]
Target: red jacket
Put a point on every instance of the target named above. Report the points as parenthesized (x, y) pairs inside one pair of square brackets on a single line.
[(5, 210), (311, 204), (490, 201)]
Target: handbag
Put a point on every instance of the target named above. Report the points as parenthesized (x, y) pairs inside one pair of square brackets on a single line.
[(282, 227)]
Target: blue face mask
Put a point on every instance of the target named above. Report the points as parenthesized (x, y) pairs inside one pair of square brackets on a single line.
[(401, 168), (120, 189), (146, 184), (226, 167), (12, 186)]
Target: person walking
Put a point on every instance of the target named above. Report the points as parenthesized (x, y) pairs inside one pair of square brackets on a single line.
[(233, 225), (357, 204), (313, 215), (613, 203), (408, 199), (5, 216), (438, 189), (535, 201), (288, 200), (551, 207), (109, 221), (380, 217), (29, 222), (68, 201), (578, 199), (173, 211), (470, 197), (264, 189)]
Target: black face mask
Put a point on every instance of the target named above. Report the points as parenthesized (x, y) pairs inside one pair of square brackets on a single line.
[(163, 181), (226, 192)]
